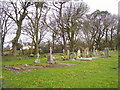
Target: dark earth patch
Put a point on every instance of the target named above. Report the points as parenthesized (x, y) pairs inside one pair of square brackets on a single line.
[(31, 67)]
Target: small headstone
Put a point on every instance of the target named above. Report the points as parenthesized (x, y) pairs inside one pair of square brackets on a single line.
[(37, 61), (26, 65)]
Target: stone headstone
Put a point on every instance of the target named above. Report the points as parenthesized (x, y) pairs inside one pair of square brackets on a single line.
[(106, 51), (63, 51), (72, 56), (68, 54), (78, 54), (37, 60), (50, 57)]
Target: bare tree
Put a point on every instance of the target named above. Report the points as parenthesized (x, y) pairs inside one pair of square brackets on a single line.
[(37, 27), (6, 23), (17, 11), (66, 21)]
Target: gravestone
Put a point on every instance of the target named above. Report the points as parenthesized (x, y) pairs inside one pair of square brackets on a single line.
[(78, 54), (87, 52), (68, 54), (82, 54), (63, 51), (94, 52), (72, 56), (37, 60), (106, 51), (50, 57)]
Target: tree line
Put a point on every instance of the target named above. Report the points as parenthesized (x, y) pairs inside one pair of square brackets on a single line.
[(70, 24)]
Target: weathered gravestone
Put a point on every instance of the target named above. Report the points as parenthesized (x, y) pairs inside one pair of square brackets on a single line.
[(72, 56), (106, 51), (50, 57), (37, 60)]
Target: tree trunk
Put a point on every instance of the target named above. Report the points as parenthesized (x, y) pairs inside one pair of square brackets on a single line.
[(15, 40), (65, 44), (36, 29)]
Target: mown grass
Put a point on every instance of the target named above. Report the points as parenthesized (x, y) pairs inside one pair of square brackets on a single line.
[(99, 73)]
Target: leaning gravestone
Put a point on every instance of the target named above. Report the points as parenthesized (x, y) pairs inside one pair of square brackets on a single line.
[(50, 57), (37, 60)]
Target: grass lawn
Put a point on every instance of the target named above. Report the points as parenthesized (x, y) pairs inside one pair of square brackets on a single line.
[(99, 73)]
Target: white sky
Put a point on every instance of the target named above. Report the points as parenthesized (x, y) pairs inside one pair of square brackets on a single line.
[(103, 5), (109, 5)]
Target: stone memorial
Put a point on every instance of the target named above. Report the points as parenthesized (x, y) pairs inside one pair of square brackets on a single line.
[(37, 60), (72, 56), (106, 51), (50, 57)]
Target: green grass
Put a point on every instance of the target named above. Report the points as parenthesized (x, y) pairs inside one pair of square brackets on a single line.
[(99, 73)]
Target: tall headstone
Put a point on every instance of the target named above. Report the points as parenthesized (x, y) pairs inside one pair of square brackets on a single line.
[(78, 54), (37, 60), (68, 54), (50, 57)]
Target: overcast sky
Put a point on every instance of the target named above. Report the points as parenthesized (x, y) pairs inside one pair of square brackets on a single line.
[(109, 5), (103, 5)]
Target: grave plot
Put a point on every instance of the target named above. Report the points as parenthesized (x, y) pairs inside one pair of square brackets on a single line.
[(31, 67)]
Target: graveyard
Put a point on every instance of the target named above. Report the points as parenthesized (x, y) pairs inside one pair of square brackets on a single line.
[(58, 44), (54, 71)]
